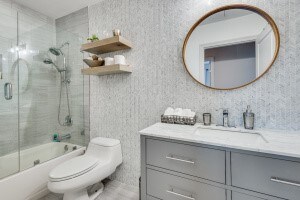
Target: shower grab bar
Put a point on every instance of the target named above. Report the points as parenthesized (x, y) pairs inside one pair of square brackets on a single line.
[(8, 91)]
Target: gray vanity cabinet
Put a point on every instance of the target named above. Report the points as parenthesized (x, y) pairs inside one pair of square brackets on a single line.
[(266, 175), (178, 170)]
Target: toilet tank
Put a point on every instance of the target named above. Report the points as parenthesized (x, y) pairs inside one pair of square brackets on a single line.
[(105, 149)]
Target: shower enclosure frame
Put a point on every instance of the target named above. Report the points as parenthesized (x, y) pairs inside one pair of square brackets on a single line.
[(16, 95)]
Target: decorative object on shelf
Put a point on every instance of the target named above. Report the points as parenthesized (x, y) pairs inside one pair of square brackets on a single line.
[(95, 57), (94, 62), (109, 61), (93, 38), (120, 60), (116, 32), (179, 116), (206, 119)]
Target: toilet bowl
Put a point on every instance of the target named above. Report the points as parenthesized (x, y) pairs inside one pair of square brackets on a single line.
[(73, 177)]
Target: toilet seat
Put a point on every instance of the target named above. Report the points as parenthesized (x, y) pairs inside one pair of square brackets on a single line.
[(73, 168)]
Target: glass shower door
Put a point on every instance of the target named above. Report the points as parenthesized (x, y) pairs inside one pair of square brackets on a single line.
[(9, 138)]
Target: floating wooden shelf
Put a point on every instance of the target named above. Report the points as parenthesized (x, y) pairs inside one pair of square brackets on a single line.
[(106, 70), (112, 44)]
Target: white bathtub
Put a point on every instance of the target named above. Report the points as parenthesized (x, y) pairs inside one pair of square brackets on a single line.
[(31, 181)]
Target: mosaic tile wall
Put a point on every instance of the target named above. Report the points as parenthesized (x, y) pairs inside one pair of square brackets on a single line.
[(121, 105)]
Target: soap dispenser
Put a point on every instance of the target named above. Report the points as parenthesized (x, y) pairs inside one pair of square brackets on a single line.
[(248, 119)]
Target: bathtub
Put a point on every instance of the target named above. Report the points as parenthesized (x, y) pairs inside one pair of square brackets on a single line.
[(35, 165)]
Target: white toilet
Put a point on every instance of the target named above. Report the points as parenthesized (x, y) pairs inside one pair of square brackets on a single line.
[(73, 177)]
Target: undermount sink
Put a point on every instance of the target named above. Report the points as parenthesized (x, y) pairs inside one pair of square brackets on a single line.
[(231, 135)]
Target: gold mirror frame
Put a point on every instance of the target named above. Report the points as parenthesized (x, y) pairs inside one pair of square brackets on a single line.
[(262, 13)]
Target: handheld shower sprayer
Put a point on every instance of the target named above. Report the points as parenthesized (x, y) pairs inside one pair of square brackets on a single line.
[(48, 61), (57, 51), (64, 82)]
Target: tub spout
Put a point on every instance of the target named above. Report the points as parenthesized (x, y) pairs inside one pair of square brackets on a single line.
[(64, 137)]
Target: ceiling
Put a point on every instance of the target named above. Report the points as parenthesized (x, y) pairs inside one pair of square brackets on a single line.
[(56, 8), (226, 15)]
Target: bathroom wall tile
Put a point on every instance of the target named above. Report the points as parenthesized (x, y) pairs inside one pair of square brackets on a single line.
[(73, 28), (121, 105)]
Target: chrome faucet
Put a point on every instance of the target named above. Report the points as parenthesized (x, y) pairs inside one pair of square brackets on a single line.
[(68, 121), (64, 137)]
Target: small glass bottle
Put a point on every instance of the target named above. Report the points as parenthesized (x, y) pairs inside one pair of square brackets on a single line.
[(248, 119)]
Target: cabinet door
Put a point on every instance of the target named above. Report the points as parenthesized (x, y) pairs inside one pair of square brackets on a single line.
[(279, 178), (169, 187), (240, 196)]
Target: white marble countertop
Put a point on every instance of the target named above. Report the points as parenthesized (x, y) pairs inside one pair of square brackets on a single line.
[(263, 141)]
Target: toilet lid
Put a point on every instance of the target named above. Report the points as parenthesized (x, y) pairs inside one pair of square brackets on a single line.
[(73, 168), (105, 142)]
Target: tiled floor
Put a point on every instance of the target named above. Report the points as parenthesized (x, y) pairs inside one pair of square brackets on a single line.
[(113, 190)]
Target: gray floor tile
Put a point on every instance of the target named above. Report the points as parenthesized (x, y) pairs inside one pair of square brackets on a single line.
[(113, 190)]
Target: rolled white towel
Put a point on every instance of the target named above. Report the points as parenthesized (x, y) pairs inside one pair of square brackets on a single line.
[(192, 114), (169, 111), (120, 59), (109, 61), (178, 112), (186, 112)]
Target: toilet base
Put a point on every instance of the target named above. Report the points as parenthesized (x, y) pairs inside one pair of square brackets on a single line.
[(95, 191)]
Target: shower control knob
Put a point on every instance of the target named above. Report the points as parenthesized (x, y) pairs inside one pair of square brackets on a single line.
[(68, 121)]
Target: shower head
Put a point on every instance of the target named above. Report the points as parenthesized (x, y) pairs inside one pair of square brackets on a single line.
[(55, 51), (48, 61)]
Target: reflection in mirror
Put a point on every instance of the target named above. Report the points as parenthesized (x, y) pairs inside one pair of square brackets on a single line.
[(230, 48)]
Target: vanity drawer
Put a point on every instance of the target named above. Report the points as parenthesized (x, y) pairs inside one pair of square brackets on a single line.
[(240, 196), (168, 187), (196, 161), (274, 177)]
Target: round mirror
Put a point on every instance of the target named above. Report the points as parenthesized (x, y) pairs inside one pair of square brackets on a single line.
[(231, 47)]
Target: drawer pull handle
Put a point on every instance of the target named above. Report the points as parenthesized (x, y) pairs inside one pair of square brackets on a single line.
[(181, 160), (180, 195), (283, 181)]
